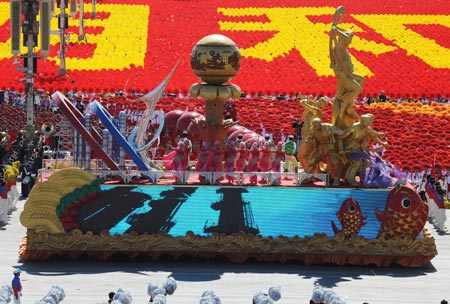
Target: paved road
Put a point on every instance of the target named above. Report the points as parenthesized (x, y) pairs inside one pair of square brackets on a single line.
[(90, 281)]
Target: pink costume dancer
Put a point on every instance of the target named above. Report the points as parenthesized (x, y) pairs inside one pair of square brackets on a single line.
[(186, 154), (215, 158), (253, 161), (279, 156), (276, 162), (265, 157), (175, 159), (242, 158), (230, 154), (202, 161)]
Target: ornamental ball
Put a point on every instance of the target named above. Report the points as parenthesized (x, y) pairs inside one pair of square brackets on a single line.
[(215, 59)]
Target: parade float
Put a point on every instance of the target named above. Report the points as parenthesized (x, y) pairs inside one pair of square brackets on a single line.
[(340, 210)]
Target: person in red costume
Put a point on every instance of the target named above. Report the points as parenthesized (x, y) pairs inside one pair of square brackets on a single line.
[(176, 160), (265, 157), (215, 158), (276, 162), (242, 157), (253, 160), (230, 153), (202, 161)]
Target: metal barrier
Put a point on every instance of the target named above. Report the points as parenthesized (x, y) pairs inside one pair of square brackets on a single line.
[(130, 176)]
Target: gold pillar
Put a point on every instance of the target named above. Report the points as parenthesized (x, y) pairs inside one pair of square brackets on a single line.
[(214, 127)]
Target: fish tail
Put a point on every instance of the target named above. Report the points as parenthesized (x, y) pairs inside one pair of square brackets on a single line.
[(335, 228)]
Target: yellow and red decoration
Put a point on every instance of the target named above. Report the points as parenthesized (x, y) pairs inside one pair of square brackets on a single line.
[(401, 47)]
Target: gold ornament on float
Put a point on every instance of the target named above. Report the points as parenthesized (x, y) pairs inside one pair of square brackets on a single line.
[(215, 59)]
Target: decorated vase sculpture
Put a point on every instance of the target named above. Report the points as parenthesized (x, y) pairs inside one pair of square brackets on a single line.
[(215, 59)]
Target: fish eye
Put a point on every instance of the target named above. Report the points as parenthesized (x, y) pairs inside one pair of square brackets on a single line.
[(406, 203), (351, 208)]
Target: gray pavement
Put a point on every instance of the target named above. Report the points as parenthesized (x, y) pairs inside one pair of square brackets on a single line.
[(90, 281)]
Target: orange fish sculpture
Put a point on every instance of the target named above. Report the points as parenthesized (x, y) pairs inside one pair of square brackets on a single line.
[(351, 218), (405, 214)]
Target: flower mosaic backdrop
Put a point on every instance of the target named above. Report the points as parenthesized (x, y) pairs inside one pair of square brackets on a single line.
[(401, 47)]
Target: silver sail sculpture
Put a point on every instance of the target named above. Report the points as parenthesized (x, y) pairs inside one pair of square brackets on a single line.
[(138, 136)]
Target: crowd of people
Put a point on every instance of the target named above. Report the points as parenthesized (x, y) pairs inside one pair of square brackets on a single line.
[(158, 295), (26, 150)]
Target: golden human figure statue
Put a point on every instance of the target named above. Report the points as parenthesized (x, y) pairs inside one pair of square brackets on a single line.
[(349, 84), (322, 139), (313, 109), (356, 143)]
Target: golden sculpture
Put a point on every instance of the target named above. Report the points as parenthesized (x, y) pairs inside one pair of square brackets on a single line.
[(344, 143), (215, 59), (349, 84), (313, 109), (356, 143), (322, 138)]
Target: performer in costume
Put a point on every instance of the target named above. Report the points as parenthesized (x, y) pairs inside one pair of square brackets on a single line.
[(230, 154), (202, 161), (416, 177), (265, 159), (447, 180), (186, 154), (242, 157), (215, 158), (16, 287), (279, 156), (176, 160), (253, 161), (276, 162), (290, 150)]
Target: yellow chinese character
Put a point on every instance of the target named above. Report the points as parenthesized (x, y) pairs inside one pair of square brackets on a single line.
[(394, 28), (295, 29), (119, 43)]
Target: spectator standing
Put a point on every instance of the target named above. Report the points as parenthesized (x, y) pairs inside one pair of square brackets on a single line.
[(37, 102), (382, 97)]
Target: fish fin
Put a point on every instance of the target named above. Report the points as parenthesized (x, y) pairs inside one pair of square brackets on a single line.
[(380, 215), (335, 229)]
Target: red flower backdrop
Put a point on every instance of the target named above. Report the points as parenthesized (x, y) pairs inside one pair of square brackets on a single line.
[(401, 46)]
